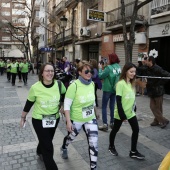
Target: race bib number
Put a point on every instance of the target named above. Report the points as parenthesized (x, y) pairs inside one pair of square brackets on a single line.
[(88, 111), (49, 121)]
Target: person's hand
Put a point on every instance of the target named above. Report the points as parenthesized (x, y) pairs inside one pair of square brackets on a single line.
[(122, 117), (97, 116), (23, 120), (100, 66), (69, 126), (61, 110)]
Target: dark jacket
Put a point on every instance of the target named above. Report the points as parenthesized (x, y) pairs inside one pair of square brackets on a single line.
[(155, 86)]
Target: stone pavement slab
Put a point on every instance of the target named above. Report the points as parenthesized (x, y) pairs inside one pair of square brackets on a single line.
[(18, 146)]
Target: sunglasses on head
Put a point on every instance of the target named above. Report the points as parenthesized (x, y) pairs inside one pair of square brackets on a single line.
[(89, 71)]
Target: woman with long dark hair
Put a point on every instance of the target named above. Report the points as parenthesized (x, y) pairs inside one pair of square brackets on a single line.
[(125, 109), (95, 78), (45, 96)]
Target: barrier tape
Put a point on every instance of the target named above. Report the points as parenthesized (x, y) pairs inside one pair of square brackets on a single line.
[(152, 77)]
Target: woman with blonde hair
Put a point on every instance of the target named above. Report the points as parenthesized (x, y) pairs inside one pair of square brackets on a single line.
[(80, 112)]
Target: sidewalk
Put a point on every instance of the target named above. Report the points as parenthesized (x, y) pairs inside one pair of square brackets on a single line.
[(18, 146)]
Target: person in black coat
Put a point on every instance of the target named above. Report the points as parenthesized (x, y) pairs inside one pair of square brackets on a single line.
[(155, 90)]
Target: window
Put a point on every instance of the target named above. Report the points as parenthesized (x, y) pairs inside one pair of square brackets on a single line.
[(6, 38), (5, 13), (6, 5), (7, 46)]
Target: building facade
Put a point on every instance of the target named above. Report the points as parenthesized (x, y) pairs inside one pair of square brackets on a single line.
[(39, 30), (159, 34), (13, 24)]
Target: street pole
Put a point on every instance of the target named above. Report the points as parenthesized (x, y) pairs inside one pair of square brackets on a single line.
[(63, 50), (37, 57)]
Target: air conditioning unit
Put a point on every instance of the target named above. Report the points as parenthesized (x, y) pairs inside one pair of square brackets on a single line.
[(85, 32)]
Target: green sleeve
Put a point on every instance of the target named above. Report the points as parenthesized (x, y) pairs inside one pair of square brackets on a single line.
[(63, 89), (71, 91), (119, 89), (31, 95), (104, 73)]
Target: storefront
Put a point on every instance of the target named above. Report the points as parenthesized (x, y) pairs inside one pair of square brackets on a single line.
[(120, 50), (159, 39)]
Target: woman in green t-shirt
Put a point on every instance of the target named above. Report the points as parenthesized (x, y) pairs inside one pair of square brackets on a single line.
[(45, 96), (125, 109), (80, 112)]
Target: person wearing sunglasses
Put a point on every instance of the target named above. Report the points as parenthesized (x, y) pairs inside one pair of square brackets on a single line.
[(80, 112), (45, 96), (110, 76)]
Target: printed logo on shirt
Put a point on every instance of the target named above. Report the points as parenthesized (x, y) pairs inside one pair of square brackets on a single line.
[(49, 103), (130, 95), (88, 98)]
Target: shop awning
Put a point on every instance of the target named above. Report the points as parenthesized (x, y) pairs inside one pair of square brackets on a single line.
[(88, 41), (16, 53)]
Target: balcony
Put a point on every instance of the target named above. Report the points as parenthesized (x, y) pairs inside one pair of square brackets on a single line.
[(37, 7), (36, 22), (70, 3), (52, 18), (67, 37), (115, 19), (160, 8), (19, 24), (60, 8), (19, 1)]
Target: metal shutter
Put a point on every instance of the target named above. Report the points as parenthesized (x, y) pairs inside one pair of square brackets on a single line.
[(119, 50)]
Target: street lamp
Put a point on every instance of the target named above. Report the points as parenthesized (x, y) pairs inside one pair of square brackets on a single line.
[(63, 21), (37, 42)]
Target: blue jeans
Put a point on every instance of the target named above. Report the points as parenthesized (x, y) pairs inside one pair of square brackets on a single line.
[(105, 99)]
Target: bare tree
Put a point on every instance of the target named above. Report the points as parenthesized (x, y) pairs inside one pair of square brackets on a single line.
[(128, 44)]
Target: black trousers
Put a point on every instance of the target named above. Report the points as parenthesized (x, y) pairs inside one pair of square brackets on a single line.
[(45, 145), (8, 76), (19, 75), (135, 131), (13, 78), (24, 77)]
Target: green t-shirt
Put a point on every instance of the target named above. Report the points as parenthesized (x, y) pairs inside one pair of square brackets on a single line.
[(8, 67), (24, 68), (46, 100), (14, 67), (127, 93), (83, 101)]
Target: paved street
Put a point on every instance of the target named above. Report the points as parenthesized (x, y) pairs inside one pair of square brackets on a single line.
[(18, 146)]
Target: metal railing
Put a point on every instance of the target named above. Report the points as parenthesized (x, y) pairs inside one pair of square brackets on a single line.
[(114, 17), (60, 7), (160, 6)]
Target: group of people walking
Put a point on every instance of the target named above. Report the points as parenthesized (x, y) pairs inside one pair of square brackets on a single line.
[(14, 68), (80, 106)]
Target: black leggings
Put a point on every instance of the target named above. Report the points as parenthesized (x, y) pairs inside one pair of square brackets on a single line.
[(45, 145), (135, 131)]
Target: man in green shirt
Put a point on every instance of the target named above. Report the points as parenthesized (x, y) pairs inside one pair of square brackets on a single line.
[(14, 67), (24, 71)]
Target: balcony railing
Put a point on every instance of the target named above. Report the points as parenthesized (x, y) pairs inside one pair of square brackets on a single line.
[(67, 37), (160, 6), (52, 18), (115, 18), (36, 22), (70, 3), (60, 7), (37, 7)]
